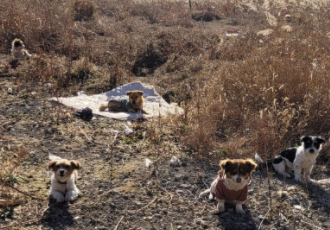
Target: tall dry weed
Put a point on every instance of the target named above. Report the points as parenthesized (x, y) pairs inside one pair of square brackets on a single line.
[(272, 95)]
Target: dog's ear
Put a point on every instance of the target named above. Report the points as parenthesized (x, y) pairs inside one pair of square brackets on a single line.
[(75, 164), (304, 138), (225, 164), (128, 93), (320, 140), (140, 92), (51, 165), (251, 164)]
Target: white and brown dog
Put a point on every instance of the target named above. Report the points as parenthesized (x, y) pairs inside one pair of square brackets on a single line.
[(231, 185), (64, 174), (18, 50)]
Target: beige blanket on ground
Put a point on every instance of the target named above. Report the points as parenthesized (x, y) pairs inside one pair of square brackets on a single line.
[(154, 104)]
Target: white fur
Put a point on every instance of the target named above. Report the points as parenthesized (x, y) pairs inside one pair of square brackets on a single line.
[(304, 161), (284, 166), (20, 52), (67, 189), (64, 192)]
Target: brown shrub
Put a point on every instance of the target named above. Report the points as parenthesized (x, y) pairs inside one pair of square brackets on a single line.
[(276, 93), (84, 10)]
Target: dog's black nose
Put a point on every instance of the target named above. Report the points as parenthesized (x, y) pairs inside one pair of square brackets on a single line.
[(61, 172), (133, 102), (238, 180), (311, 150)]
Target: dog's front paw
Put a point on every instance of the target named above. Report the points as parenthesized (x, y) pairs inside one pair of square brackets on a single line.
[(221, 207), (287, 175), (240, 210), (298, 179), (71, 195), (60, 199)]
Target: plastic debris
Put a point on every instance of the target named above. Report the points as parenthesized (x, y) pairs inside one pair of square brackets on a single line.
[(234, 33), (148, 162), (128, 130), (81, 93), (86, 114), (49, 85), (175, 161)]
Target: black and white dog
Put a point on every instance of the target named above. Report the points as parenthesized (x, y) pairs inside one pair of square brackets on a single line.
[(298, 159)]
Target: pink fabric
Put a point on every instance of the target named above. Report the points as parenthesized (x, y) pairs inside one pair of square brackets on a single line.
[(223, 193)]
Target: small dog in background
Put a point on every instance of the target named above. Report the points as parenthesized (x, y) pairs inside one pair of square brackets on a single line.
[(18, 50), (64, 174), (298, 159), (231, 185), (132, 105)]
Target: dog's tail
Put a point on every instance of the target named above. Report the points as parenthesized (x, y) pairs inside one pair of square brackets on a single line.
[(258, 158), (204, 193), (103, 106), (261, 162), (27, 54)]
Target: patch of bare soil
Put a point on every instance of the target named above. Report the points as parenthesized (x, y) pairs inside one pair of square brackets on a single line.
[(118, 189), (148, 62)]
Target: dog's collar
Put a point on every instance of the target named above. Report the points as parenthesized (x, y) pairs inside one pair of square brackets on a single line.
[(60, 182)]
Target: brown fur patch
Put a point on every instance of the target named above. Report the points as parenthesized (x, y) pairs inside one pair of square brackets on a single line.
[(72, 165), (135, 98), (243, 167)]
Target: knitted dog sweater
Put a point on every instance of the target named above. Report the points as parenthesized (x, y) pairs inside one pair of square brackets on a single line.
[(223, 193)]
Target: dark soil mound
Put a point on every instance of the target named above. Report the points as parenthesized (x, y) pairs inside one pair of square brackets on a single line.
[(148, 62), (205, 16)]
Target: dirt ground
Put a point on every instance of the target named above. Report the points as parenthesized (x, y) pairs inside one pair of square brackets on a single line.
[(117, 188)]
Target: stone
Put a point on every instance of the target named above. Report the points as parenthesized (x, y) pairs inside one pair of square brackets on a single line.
[(265, 33), (140, 213), (287, 28)]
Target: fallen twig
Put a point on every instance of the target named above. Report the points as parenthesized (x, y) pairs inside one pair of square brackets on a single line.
[(82, 131), (8, 202), (263, 219), (119, 222), (148, 204), (205, 184), (312, 225), (35, 197)]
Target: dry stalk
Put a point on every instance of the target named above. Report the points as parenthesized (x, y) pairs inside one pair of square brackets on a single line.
[(264, 219), (148, 204), (119, 223), (25, 193)]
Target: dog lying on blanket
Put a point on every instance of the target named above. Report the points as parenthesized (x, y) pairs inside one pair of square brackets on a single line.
[(231, 185), (134, 104)]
